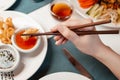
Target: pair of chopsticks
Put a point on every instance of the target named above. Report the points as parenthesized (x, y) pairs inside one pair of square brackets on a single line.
[(80, 32)]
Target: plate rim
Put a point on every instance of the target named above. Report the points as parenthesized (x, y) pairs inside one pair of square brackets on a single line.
[(63, 73), (44, 37), (7, 7)]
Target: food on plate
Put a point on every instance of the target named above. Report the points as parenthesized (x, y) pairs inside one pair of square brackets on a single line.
[(29, 31), (6, 30), (26, 42), (106, 9), (87, 3)]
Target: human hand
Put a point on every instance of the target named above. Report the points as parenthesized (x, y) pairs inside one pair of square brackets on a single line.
[(89, 44)]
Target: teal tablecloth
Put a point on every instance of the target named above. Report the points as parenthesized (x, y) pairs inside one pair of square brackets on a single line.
[(55, 60)]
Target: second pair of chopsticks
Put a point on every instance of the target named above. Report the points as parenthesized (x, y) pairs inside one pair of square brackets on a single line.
[(80, 32)]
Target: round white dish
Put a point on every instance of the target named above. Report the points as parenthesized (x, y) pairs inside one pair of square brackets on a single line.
[(64, 76), (5, 4), (27, 51), (26, 68), (82, 12), (16, 57)]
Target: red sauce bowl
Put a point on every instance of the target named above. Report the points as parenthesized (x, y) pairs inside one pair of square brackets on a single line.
[(25, 46)]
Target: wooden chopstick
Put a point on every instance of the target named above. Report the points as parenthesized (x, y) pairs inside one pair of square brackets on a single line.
[(90, 24), (77, 32), (80, 32)]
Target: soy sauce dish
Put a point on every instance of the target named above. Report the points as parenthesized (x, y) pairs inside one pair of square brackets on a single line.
[(9, 58), (26, 44)]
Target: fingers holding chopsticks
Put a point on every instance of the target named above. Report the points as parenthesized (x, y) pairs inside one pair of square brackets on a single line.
[(67, 33), (83, 43)]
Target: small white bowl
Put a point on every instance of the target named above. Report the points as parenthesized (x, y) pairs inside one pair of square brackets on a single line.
[(21, 49), (9, 58)]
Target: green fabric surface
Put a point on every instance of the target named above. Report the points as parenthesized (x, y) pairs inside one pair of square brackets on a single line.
[(58, 62), (55, 60), (27, 6)]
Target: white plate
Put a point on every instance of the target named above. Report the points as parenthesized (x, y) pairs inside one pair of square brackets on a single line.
[(29, 63), (5, 4), (111, 40), (64, 76), (82, 12)]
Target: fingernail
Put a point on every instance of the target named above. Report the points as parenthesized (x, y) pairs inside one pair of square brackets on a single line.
[(56, 43)]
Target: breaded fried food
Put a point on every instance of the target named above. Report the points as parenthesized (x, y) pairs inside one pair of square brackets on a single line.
[(29, 31)]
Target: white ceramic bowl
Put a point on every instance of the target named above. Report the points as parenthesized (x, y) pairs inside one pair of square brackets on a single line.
[(37, 44), (9, 58)]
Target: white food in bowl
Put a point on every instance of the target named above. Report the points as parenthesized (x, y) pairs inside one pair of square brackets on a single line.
[(9, 58), (37, 44)]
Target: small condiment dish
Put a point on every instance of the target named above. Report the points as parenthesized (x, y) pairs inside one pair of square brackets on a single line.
[(28, 46), (9, 58)]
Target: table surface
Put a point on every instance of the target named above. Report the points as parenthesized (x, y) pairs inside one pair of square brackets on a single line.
[(55, 60)]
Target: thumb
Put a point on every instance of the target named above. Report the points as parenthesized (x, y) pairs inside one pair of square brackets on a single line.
[(68, 34)]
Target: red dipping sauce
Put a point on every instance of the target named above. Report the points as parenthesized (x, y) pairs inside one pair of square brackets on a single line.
[(25, 44)]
